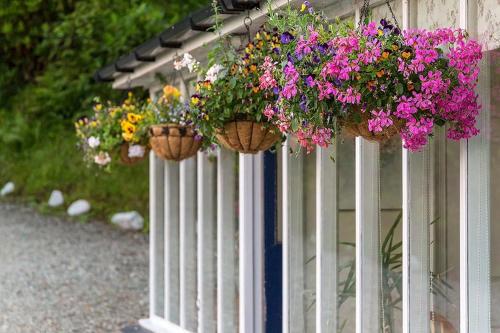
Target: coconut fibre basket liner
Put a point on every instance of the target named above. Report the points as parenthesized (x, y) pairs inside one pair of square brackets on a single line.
[(247, 136), (173, 142)]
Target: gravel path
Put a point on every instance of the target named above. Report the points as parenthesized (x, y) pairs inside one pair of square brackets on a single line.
[(60, 277)]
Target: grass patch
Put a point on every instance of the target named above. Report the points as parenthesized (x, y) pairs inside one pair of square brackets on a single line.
[(54, 162)]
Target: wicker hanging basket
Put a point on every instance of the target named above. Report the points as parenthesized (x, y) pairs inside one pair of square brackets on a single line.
[(353, 127), (173, 142), (126, 160), (248, 137)]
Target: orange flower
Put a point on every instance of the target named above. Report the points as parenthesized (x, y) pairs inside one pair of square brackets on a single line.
[(380, 73), (255, 89), (406, 54)]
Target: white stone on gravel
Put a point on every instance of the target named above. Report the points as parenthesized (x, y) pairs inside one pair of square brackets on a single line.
[(56, 199), (7, 189), (78, 207), (128, 220)]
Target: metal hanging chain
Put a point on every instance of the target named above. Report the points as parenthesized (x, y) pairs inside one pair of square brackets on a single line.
[(392, 14), (248, 23), (365, 10)]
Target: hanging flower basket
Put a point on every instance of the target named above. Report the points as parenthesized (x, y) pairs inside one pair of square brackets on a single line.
[(248, 137), (174, 142), (360, 127), (130, 159)]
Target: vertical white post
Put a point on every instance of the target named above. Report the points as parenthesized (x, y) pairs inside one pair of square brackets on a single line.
[(475, 291), (258, 241), (226, 245), (207, 281), (326, 240), (188, 309), (293, 246), (246, 221), (368, 271), (156, 196), (171, 204), (464, 226), (416, 224)]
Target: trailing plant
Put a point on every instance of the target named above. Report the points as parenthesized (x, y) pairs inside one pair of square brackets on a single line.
[(110, 127), (230, 89), (374, 81)]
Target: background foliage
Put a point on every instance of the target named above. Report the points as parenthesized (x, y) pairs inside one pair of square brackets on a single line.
[(49, 51)]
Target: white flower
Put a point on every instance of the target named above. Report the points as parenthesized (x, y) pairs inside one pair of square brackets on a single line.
[(178, 64), (213, 73), (186, 61), (136, 151), (102, 158), (93, 142)]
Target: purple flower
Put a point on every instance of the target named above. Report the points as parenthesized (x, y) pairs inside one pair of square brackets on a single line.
[(303, 103), (322, 48), (286, 38), (276, 90), (310, 81)]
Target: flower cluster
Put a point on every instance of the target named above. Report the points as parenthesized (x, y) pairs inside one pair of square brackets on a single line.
[(234, 84), (169, 108), (328, 75), (110, 127)]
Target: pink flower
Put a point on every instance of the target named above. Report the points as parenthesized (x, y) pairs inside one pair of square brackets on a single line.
[(405, 109), (267, 81), (289, 91), (380, 121), (269, 111), (370, 29)]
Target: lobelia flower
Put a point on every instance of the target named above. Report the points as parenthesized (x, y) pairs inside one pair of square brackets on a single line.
[(102, 158), (93, 142), (136, 151)]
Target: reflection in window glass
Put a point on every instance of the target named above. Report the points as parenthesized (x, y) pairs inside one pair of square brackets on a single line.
[(346, 236), (493, 68)]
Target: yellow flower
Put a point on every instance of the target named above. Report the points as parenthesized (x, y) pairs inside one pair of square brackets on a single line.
[(98, 107), (128, 127), (303, 7), (406, 54), (395, 47), (134, 118), (93, 123), (127, 136), (195, 100), (207, 117), (380, 32), (171, 93)]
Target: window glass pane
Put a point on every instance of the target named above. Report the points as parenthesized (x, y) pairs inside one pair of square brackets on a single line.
[(390, 233), (346, 235), (493, 72)]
